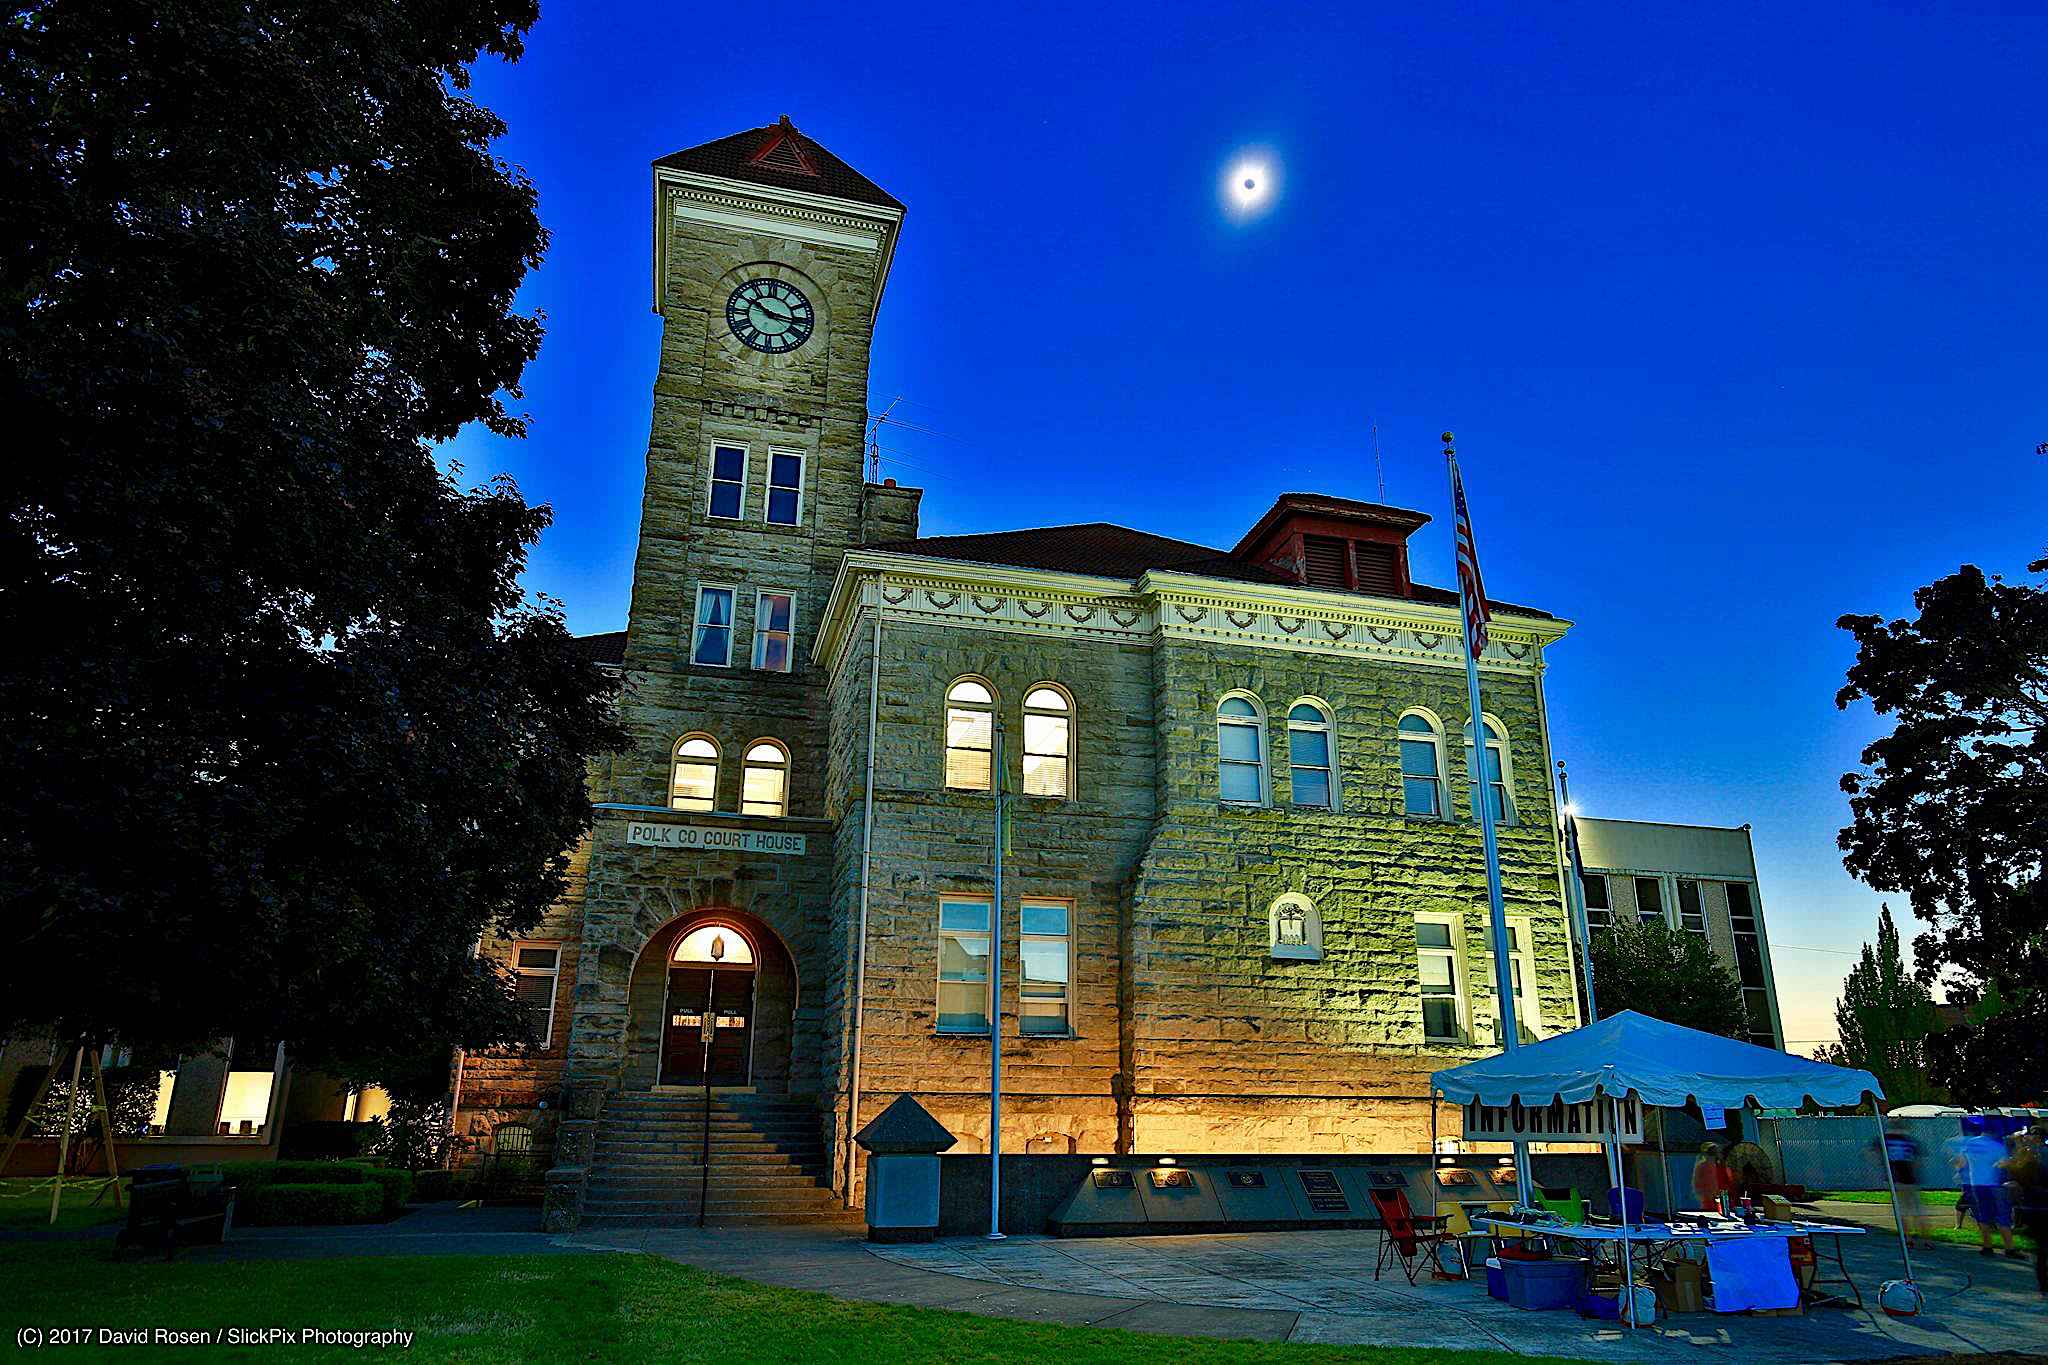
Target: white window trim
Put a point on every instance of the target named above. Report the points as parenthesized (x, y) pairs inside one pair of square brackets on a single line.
[(1265, 764), (731, 625), (554, 975), (1067, 993), (940, 933), (761, 639), (1312, 929), (1667, 895), (1509, 805), (946, 708), (1329, 732), (1072, 716), (1699, 895), (675, 760), (803, 472), (711, 476), (1436, 742), (1607, 878), (1457, 952), (746, 762), (1526, 956)]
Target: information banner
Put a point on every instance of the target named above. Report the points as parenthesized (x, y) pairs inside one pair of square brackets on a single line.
[(712, 839), (1554, 1122)]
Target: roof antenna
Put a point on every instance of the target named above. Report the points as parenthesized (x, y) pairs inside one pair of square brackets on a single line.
[(1379, 468), (874, 441)]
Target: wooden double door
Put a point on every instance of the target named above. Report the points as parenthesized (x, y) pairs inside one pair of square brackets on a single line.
[(707, 1035)]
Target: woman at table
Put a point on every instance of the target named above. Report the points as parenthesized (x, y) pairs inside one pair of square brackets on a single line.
[(1711, 1177)]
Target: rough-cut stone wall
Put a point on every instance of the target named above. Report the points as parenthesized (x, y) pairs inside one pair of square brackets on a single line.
[(929, 841), (1232, 1046)]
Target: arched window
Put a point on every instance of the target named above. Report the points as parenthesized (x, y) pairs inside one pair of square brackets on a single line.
[(1295, 929), (718, 944), (1241, 750), (1048, 742), (695, 785), (764, 779), (1422, 767), (970, 734), (1497, 777), (1310, 755)]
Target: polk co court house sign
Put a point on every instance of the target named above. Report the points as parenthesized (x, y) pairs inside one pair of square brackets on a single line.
[(713, 839)]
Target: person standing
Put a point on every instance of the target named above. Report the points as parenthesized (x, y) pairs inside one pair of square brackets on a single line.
[(2028, 1182), (1711, 1177), (1902, 1154), (1980, 1158)]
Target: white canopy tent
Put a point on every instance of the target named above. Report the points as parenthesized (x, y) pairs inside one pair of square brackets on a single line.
[(1662, 1064)]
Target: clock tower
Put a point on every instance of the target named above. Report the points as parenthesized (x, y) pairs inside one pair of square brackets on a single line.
[(770, 256)]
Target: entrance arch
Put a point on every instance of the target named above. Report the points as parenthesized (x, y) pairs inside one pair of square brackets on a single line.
[(713, 997)]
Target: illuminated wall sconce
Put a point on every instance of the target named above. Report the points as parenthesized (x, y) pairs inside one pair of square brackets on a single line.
[(1098, 1161), (1166, 1161)]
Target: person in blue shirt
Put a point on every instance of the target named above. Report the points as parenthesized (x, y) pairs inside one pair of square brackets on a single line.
[(1980, 1159)]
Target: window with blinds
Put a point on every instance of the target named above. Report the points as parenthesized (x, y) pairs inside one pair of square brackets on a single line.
[(1322, 561)]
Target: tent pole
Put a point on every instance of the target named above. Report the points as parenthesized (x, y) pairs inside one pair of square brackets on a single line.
[(1628, 1266), (1898, 1221), (1664, 1163)]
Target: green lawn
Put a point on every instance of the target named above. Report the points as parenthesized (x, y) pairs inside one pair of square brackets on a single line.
[(1946, 1198), (583, 1308), (25, 1203)]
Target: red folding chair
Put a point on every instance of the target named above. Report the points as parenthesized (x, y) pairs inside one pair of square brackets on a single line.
[(1414, 1239)]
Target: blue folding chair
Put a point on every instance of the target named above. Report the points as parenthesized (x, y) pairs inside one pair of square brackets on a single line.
[(1625, 1205)]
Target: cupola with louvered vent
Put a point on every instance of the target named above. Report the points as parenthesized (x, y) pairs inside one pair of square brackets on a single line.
[(1335, 543)]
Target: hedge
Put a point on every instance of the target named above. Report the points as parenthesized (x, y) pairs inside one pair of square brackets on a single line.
[(255, 1175), (289, 1205), (395, 1187), (430, 1187)]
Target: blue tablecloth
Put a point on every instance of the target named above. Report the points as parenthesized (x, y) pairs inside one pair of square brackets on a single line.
[(1751, 1272)]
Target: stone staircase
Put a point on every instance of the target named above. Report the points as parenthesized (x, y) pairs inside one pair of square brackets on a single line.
[(767, 1163)]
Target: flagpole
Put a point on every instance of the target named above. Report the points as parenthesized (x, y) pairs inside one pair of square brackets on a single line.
[(995, 1008), (1471, 614), (1575, 890)]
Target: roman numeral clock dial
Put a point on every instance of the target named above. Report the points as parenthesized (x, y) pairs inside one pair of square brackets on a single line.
[(770, 315)]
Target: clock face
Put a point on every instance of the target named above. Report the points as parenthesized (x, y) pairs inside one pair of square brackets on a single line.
[(770, 315)]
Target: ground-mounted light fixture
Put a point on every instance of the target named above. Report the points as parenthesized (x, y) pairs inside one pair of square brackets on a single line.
[(1167, 1161), (1098, 1161)]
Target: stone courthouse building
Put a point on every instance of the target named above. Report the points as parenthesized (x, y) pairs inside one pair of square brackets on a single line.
[(1243, 903)]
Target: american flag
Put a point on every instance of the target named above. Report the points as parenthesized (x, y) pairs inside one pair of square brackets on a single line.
[(1469, 582)]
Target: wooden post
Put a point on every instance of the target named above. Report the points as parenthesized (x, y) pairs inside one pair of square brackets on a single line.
[(99, 1089), (64, 1138), (28, 1113)]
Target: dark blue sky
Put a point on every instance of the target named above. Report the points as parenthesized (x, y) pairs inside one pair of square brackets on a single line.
[(1737, 312)]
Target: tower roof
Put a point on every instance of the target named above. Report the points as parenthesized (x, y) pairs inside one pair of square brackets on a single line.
[(780, 156)]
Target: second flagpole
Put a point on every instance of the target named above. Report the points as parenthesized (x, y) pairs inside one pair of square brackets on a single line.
[(995, 1009)]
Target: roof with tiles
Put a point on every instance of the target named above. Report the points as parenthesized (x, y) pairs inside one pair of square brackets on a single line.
[(783, 158)]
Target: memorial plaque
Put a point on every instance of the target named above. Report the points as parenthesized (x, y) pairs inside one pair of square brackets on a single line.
[(1454, 1175), (1113, 1180), (1325, 1195), (1248, 1180), (1388, 1180), (1172, 1180)]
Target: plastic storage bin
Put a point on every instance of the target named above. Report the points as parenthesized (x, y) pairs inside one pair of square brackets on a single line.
[(1496, 1280), (1545, 1284)]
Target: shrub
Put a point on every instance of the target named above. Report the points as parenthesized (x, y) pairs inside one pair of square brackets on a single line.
[(292, 1205), (255, 1175), (415, 1134), (329, 1140), (432, 1186), (395, 1187)]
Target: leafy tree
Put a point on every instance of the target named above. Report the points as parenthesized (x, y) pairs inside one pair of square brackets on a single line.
[(1669, 974), (131, 1103), (1884, 1017), (1951, 810), (284, 734)]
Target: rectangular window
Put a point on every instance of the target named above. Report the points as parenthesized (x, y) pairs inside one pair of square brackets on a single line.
[(712, 643), (1649, 900), (1757, 1005), (728, 482), (970, 741), (774, 624), (1690, 915), (538, 969), (785, 487), (1521, 970), (1044, 943), (1599, 911), (1741, 909), (1437, 967), (1419, 789), (963, 965)]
